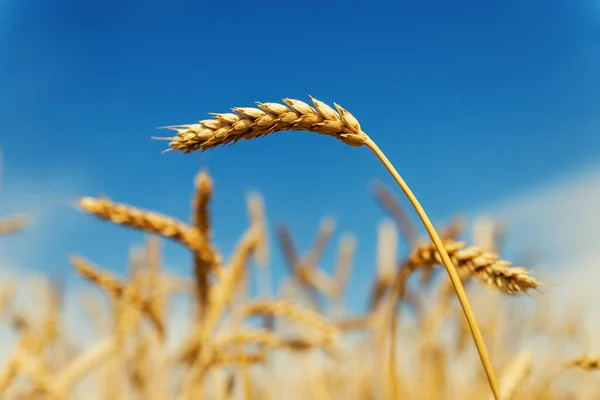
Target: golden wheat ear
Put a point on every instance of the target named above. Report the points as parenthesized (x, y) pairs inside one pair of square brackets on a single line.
[(13, 224), (294, 115)]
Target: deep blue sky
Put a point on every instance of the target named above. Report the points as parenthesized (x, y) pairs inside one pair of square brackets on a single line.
[(472, 100)]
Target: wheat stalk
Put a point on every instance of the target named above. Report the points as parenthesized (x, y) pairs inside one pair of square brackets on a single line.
[(249, 123), (118, 290), (343, 265), (84, 364), (515, 373), (256, 211)]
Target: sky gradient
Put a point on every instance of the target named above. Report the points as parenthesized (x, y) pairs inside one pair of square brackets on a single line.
[(473, 102)]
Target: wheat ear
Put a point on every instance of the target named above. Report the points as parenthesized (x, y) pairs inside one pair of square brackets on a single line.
[(12, 225), (201, 221), (483, 265), (150, 222), (249, 123), (295, 313), (586, 363)]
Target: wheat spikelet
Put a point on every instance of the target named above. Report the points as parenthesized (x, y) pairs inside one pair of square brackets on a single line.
[(151, 222), (484, 266), (249, 123)]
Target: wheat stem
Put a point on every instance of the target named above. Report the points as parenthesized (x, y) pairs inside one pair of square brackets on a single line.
[(453, 274)]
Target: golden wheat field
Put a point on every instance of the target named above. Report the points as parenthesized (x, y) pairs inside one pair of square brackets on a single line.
[(424, 335)]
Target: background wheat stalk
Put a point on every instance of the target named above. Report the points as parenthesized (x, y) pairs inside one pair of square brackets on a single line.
[(249, 123), (329, 354)]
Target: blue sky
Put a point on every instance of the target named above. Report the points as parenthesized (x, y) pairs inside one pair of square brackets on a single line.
[(473, 101)]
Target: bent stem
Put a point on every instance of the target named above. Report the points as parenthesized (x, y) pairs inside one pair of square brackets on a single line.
[(450, 269)]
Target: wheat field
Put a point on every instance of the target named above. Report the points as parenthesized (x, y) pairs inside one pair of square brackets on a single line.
[(298, 339)]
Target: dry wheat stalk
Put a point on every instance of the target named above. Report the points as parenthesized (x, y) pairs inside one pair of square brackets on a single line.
[(257, 215), (386, 198), (151, 222), (6, 295), (249, 123), (311, 279), (387, 247), (35, 371), (484, 266), (300, 273), (343, 265), (256, 211), (156, 287), (220, 297), (8, 374), (118, 290), (83, 364), (222, 293), (154, 259), (324, 234), (515, 373)]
